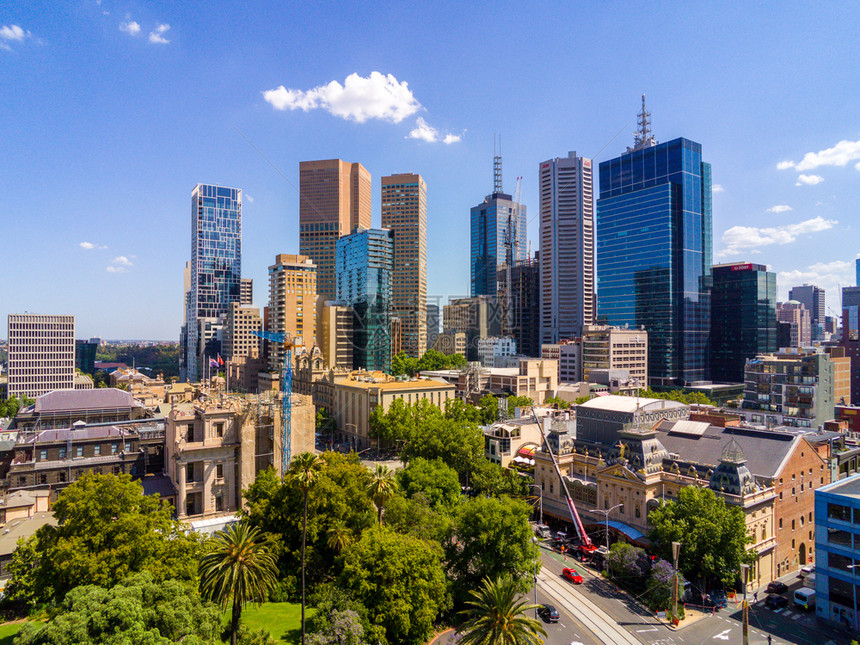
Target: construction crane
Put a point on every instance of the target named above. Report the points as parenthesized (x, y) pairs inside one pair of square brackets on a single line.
[(286, 391), (512, 244), (586, 547)]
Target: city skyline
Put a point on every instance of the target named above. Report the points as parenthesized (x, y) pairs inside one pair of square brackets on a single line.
[(79, 73)]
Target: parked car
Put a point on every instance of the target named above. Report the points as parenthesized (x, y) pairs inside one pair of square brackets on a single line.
[(805, 571), (572, 575), (719, 598), (776, 602), (777, 587), (548, 613)]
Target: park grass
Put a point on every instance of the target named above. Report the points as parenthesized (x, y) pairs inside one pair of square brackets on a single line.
[(8, 631), (283, 620)]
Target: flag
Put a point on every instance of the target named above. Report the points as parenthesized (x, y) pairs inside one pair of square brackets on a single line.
[(213, 362), (220, 360)]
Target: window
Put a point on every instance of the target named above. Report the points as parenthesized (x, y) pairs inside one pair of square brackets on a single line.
[(97, 449), (62, 476), (219, 429), (780, 523), (61, 453), (79, 451), (43, 478), (189, 472), (219, 471), (113, 448), (43, 454), (839, 512), (792, 525)]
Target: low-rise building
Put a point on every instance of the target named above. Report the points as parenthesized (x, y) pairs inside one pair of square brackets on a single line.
[(534, 378), (607, 348), (492, 350), (62, 408), (356, 394), (568, 353)]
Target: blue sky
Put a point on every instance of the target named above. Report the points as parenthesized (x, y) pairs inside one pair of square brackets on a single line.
[(111, 112)]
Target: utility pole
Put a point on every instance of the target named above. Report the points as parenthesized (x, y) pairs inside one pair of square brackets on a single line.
[(676, 551), (745, 570)]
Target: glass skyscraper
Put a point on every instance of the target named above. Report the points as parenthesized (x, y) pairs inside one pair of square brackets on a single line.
[(364, 263), (489, 227), (216, 267), (743, 318), (654, 252)]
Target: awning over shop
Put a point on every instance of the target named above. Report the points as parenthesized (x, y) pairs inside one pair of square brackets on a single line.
[(629, 531)]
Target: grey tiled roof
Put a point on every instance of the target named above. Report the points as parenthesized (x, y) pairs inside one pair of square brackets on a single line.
[(764, 450), (74, 400), (82, 434)]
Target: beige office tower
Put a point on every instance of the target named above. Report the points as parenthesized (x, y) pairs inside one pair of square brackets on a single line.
[(404, 210), (41, 354), (246, 291), (335, 334), (334, 197), (238, 333), (292, 303), (566, 247)]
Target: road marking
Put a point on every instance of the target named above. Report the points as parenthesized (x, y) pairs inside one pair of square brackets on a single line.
[(723, 636), (795, 617), (653, 629), (780, 610)]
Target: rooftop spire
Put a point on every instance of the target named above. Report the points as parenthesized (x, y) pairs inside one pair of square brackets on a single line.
[(497, 166), (643, 138)]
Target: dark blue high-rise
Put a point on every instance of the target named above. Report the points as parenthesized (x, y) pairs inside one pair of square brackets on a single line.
[(654, 250)]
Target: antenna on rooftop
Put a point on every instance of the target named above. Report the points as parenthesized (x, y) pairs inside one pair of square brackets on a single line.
[(497, 165), (643, 138)]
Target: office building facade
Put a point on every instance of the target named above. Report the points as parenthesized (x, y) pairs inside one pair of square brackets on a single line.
[(524, 323), (566, 247), (334, 198), (292, 303), (796, 315), (41, 354), (615, 348), (812, 298), (478, 317), (654, 248), (743, 318), (238, 337), (216, 268), (850, 339), (364, 282), (404, 211)]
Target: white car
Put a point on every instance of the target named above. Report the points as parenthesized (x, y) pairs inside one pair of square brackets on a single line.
[(805, 571)]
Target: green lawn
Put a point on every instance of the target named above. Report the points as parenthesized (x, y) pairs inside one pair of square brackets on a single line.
[(9, 630), (283, 620)]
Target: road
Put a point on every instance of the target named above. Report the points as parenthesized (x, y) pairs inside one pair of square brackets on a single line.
[(594, 613)]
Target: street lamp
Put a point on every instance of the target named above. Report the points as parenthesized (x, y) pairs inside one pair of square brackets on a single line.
[(676, 551), (534, 542), (606, 517), (540, 488), (745, 569)]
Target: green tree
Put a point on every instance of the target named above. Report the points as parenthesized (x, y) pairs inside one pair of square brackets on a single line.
[(325, 424), (459, 410), (137, 610), (304, 473), (414, 516), (381, 487), (489, 538), (554, 400), (491, 479), (237, 569), (400, 580), (107, 529), (496, 615), (277, 509), (515, 402), (339, 536), (343, 628), (437, 481), (489, 409), (402, 363), (459, 444), (713, 535)]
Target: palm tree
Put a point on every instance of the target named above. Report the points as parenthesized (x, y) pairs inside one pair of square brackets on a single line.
[(496, 617), (238, 567), (304, 471), (339, 536), (381, 487)]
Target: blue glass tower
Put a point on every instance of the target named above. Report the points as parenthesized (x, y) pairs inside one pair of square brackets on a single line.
[(654, 249), (216, 268), (489, 227), (364, 262)]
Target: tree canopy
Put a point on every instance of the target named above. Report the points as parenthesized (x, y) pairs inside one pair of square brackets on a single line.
[(400, 580), (712, 534), (434, 479), (490, 538), (431, 360), (137, 611), (108, 529)]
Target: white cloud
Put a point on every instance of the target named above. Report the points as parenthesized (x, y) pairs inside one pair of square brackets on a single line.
[(112, 269), (717, 188), (130, 27), (779, 208), (427, 132), (784, 165), (12, 33), (809, 180), (749, 237), (156, 37), (830, 276), (87, 245), (378, 96), (839, 155), (249, 198), (123, 260)]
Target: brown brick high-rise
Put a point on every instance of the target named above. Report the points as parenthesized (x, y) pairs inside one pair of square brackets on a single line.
[(334, 197)]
